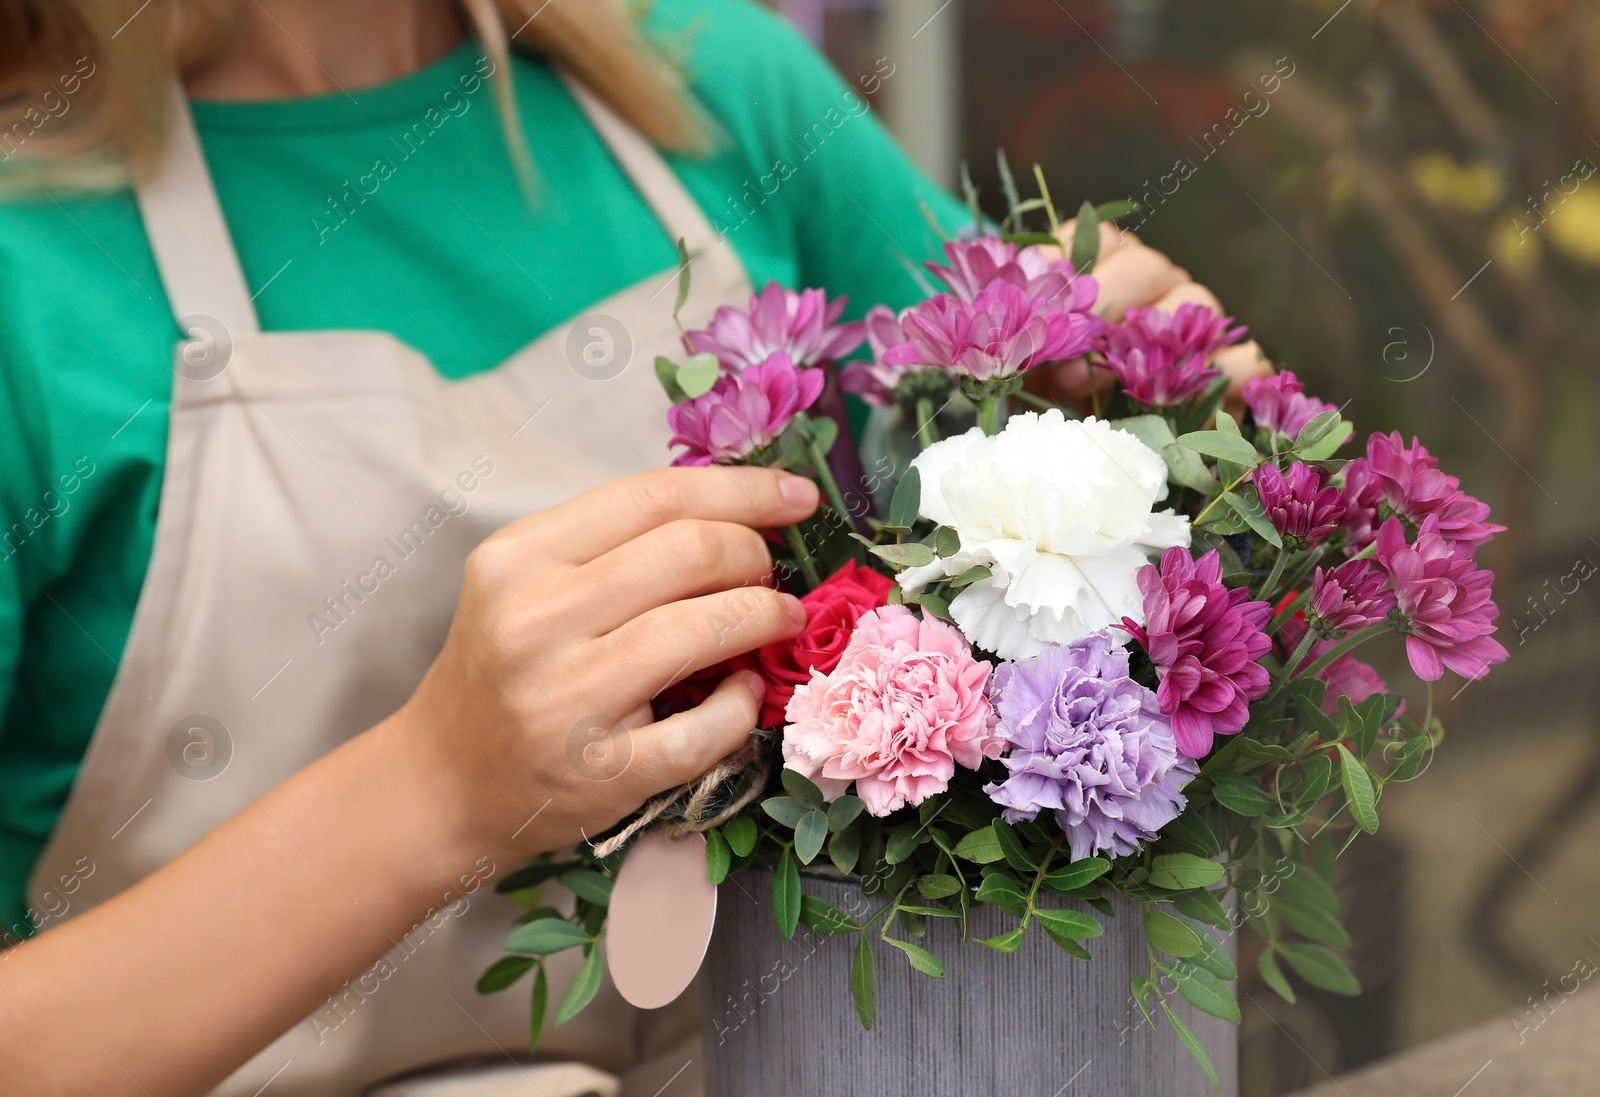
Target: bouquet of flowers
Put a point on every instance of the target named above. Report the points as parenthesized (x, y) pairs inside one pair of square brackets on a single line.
[(1054, 657)]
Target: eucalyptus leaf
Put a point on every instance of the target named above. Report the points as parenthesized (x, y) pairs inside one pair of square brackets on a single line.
[(1227, 447), (971, 575), (906, 503), (667, 374), (1248, 506), (696, 376), (946, 541), (909, 555)]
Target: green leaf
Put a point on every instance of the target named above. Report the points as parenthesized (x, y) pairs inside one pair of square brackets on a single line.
[(1152, 430), (1329, 444), (971, 575), (799, 786), (1139, 986), (809, 835), (1272, 975), (903, 841), (844, 850), (583, 988), (935, 604), (503, 972), (545, 936), (1115, 211), (1066, 944), (1313, 922), (1000, 888), (1214, 958), (1214, 443), (1189, 833), (864, 982), (1203, 990), (531, 876), (1011, 847), (981, 846), (1069, 923), (1316, 429), (785, 809), (921, 959), (718, 856), (825, 918), (1358, 791), (537, 1005), (824, 432), (1312, 716), (1364, 723), (1240, 794), (667, 374), (1182, 871), (1078, 874), (1086, 239), (946, 541), (696, 375), (741, 834), (1203, 906), (588, 884), (1170, 935), (906, 503), (786, 895), (1189, 1041), (1031, 239), (1248, 507), (938, 886), (1319, 967), (912, 554), (683, 277), (1185, 467), (1227, 424), (843, 811), (1004, 942)]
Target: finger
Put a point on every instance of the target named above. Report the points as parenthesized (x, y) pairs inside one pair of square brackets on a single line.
[(1240, 363), (1189, 293), (687, 744), (666, 644), (599, 520), (1136, 276), (681, 559)]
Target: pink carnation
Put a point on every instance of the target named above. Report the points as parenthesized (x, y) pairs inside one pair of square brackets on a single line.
[(903, 706)]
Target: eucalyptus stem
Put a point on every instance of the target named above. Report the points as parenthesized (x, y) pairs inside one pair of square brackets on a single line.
[(989, 414), (927, 432), (830, 486), (1200, 518), (802, 556)]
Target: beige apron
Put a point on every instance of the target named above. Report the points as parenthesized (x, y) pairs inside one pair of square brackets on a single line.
[(322, 492)]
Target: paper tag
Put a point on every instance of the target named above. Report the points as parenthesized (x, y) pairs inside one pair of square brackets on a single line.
[(663, 908)]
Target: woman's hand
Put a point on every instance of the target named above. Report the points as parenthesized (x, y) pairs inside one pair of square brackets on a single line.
[(533, 728), (1131, 274)]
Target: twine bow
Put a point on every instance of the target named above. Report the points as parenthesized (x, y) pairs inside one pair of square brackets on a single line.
[(691, 807)]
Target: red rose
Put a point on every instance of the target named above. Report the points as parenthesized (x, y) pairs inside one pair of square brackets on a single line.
[(832, 611)]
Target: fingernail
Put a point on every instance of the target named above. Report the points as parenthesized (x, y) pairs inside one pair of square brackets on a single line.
[(752, 682), (797, 609), (797, 491)]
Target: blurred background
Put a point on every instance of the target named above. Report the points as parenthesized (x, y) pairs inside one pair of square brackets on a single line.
[(1401, 200)]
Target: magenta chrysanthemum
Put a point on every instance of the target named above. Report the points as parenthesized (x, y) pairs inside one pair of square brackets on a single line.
[(977, 264), (1280, 405), (801, 325), (742, 412), (1300, 505), (1160, 357), (1444, 601), (1414, 489), (876, 381), (1354, 595), (999, 333), (1204, 640)]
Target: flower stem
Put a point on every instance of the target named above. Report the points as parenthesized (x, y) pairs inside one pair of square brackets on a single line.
[(1094, 389), (989, 414), (1288, 612), (819, 461), (927, 433), (802, 556), (1349, 642), (1299, 653), (1277, 573), (1200, 518)]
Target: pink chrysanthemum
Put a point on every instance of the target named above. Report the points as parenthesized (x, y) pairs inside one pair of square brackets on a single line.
[(1354, 595), (1280, 405), (742, 412), (802, 325), (876, 381), (1204, 639), (1160, 357), (1301, 505), (1414, 489), (1444, 601), (977, 264), (999, 333)]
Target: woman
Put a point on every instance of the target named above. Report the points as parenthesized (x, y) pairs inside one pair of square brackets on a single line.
[(314, 619)]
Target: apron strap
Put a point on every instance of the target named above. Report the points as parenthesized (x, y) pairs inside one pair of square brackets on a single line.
[(661, 189), (189, 235)]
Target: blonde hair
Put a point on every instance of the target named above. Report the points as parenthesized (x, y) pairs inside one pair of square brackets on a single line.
[(86, 81)]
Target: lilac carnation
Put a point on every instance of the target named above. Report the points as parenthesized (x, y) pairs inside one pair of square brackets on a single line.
[(999, 333), (742, 412), (802, 325), (1300, 505), (1280, 405), (1089, 743), (1159, 357)]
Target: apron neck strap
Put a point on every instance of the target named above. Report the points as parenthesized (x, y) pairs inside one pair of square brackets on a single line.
[(189, 235)]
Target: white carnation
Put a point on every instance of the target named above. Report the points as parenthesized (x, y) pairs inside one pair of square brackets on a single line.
[(1062, 513)]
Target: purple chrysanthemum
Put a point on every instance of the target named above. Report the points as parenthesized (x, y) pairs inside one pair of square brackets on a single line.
[(742, 412), (1354, 595), (1280, 404), (1444, 601), (802, 325), (1414, 489), (1090, 744), (1301, 506), (977, 264), (1204, 639), (1160, 357), (999, 333)]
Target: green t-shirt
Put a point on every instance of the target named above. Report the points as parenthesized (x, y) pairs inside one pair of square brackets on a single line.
[(446, 254)]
